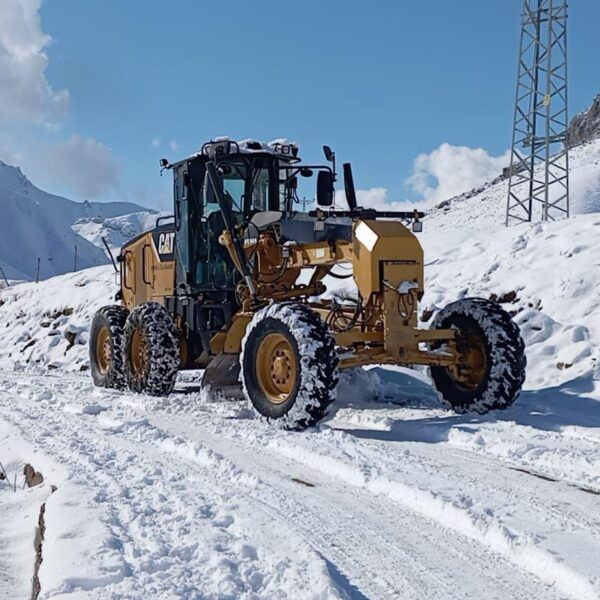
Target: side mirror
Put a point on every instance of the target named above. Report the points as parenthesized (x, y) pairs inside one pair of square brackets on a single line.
[(164, 164), (329, 154), (324, 188)]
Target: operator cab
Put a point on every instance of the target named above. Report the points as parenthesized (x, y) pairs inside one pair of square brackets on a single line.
[(258, 177)]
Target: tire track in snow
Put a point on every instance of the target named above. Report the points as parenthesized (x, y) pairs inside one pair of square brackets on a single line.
[(424, 558), (174, 534), (207, 418), (519, 547)]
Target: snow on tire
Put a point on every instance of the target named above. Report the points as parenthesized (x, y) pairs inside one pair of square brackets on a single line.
[(499, 364), (151, 350), (105, 345), (289, 366)]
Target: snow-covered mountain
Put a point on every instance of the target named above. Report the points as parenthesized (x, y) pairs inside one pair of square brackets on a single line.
[(115, 230), (35, 224)]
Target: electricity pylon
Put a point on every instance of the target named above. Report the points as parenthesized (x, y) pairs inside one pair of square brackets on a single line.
[(539, 166)]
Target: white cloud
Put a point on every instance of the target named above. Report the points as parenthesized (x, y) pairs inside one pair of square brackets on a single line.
[(31, 112), (444, 173), (156, 142), (85, 165), (24, 91), (451, 170), (174, 146)]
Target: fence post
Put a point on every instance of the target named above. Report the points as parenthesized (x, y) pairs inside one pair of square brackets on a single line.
[(4, 277), (37, 273)]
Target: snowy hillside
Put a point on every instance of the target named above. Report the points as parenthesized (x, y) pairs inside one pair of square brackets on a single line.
[(36, 224), (484, 209), (46, 324)]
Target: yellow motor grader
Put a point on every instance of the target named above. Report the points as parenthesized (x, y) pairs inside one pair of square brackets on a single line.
[(234, 283)]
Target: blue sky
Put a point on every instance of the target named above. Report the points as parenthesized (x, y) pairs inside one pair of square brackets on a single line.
[(382, 82)]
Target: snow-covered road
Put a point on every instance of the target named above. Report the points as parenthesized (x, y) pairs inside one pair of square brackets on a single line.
[(177, 498)]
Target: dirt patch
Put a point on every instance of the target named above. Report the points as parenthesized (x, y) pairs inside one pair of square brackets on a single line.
[(55, 314), (303, 482), (426, 315), (38, 545), (70, 337), (30, 343), (508, 298), (32, 477)]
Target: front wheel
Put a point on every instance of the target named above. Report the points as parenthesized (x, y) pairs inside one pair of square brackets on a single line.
[(289, 365), (491, 367)]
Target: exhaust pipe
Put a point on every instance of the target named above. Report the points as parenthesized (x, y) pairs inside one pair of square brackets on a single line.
[(349, 187)]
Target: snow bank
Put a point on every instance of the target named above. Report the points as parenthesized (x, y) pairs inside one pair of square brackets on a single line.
[(547, 275), (20, 510), (46, 324)]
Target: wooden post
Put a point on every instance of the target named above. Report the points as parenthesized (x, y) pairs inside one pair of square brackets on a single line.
[(37, 273)]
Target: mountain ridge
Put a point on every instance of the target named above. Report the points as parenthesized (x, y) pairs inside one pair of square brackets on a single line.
[(38, 225)]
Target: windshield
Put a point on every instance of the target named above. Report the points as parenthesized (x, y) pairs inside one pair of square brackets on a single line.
[(238, 184), (260, 190)]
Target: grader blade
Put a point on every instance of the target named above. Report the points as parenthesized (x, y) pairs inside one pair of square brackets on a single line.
[(221, 379)]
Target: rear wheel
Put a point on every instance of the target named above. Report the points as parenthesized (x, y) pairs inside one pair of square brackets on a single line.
[(106, 336), (491, 367), (289, 365), (151, 350)]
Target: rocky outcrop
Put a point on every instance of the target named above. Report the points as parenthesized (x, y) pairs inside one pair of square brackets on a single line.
[(585, 126)]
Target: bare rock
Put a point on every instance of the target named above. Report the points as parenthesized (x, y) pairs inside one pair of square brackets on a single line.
[(32, 477)]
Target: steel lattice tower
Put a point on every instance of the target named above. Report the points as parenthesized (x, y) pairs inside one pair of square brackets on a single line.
[(539, 165)]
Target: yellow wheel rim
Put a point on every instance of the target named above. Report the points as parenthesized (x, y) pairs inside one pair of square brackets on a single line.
[(138, 353), (103, 351), (472, 367), (276, 367)]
